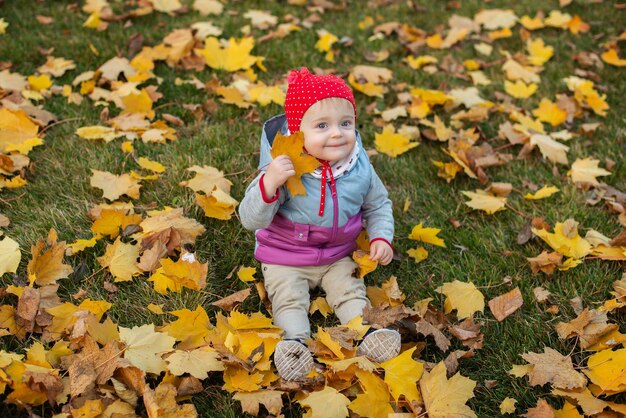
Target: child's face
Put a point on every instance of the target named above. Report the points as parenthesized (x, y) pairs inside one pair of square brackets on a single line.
[(329, 129)]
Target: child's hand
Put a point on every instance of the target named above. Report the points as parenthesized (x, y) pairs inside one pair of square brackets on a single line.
[(381, 251), (279, 170)]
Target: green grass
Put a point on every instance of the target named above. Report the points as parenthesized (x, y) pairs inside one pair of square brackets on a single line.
[(59, 195)]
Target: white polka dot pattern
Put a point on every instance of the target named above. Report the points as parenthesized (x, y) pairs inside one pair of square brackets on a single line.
[(306, 89)]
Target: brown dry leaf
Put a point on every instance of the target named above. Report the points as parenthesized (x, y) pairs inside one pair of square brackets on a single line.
[(504, 305), (230, 302), (541, 294), (161, 403), (545, 262), (589, 326), (383, 317), (555, 368), (92, 366), (426, 328), (27, 308), (542, 410)]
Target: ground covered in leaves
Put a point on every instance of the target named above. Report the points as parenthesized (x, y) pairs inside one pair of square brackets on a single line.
[(130, 128)]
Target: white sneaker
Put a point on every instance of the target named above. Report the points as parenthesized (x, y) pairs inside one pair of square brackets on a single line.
[(380, 346), (293, 360)]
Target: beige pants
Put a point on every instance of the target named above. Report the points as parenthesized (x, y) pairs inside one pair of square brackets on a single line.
[(288, 290)]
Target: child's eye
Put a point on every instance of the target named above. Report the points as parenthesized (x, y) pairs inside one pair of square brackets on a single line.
[(346, 123), (322, 125)]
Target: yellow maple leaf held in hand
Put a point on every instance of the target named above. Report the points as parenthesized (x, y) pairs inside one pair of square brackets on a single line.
[(391, 143), (293, 147), (366, 265), (464, 297), (446, 397)]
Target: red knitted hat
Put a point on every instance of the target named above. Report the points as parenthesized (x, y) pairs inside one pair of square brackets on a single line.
[(306, 89)]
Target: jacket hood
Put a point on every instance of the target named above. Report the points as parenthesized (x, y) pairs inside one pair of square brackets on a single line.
[(271, 127)]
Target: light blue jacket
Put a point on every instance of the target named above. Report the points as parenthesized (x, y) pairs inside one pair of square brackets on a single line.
[(290, 231)]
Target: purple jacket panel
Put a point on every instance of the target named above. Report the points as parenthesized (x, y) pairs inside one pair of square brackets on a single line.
[(293, 244)]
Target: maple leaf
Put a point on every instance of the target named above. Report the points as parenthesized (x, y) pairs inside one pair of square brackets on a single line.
[(292, 146), (590, 326), (326, 403), (114, 186), (545, 191), (519, 89), (105, 133), (246, 274), (552, 367), (187, 228), (565, 239), (507, 406), (366, 265), (325, 43), (402, 374), (121, 259), (550, 112), (10, 256), (151, 165), (391, 143), (464, 297), (236, 56), (161, 402), (550, 149), (586, 170), (542, 410), (483, 200), (374, 401), (65, 315), (207, 179), (428, 235), (15, 128), (320, 304), (446, 398), (546, 262), (91, 366), (207, 7), (111, 221), (539, 52), (190, 328), (198, 362), (610, 57), (218, 205), (492, 19), (419, 254), (144, 347), (505, 304), (270, 399)]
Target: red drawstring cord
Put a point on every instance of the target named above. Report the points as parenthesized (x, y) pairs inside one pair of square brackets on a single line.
[(326, 171)]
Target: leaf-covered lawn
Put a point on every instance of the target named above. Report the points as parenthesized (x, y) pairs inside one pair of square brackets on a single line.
[(129, 130)]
